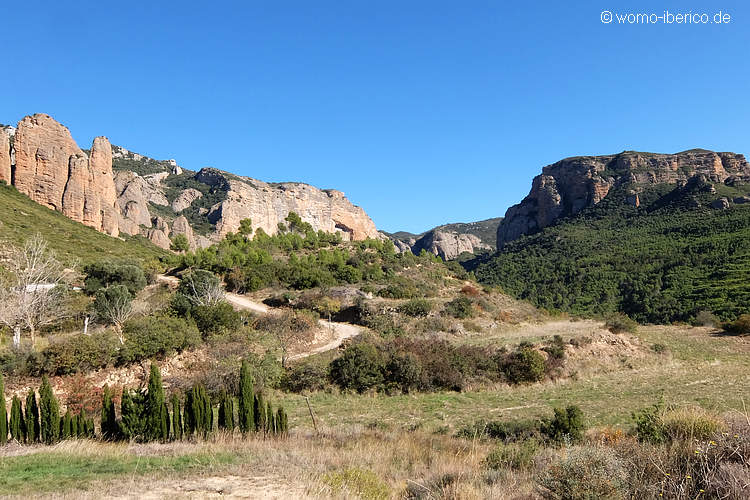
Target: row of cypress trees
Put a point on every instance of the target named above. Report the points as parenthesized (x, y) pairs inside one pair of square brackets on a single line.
[(144, 414), (40, 421)]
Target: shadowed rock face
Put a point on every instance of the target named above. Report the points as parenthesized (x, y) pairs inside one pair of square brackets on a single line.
[(53, 171), (570, 185)]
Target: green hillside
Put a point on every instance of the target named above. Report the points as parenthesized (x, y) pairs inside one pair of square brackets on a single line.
[(667, 260), (20, 218)]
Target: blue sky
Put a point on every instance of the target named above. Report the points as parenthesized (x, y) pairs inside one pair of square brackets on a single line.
[(422, 112)]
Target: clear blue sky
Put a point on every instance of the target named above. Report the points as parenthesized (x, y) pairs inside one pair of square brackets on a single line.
[(422, 112)]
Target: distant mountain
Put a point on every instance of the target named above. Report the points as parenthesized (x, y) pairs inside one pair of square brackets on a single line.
[(658, 237), (449, 241)]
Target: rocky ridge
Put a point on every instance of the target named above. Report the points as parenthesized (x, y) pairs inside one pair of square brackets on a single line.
[(450, 240), (565, 188), (117, 191)]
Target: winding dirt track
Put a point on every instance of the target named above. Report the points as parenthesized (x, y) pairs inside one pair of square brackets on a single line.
[(341, 331)]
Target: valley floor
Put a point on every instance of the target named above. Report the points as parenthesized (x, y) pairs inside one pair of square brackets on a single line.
[(391, 444)]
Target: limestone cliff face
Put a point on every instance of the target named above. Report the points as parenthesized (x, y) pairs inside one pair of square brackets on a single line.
[(269, 204), (51, 170), (448, 244), (5, 161), (570, 185)]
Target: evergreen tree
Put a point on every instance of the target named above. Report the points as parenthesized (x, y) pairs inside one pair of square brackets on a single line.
[(32, 418), (49, 413), (270, 420), (109, 428), (65, 426), (157, 419), (208, 414), (3, 413), (17, 426), (198, 412), (282, 421), (132, 414), (259, 413), (82, 424), (176, 418), (246, 400), (74, 425), (226, 412)]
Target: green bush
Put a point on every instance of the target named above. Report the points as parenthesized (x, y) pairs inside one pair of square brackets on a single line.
[(306, 376), (460, 307), (216, 319), (567, 424), (740, 326), (360, 368), (106, 273), (524, 366), (404, 371), (79, 353), (512, 431), (416, 308), (620, 323), (361, 483), (157, 336), (585, 473)]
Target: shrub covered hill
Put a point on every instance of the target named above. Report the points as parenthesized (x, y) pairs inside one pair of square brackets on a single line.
[(657, 237)]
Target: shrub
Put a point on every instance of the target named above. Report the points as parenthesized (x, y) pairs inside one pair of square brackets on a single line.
[(79, 353), (470, 291), (689, 423), (659, 348), (740, 326), (215, 319), (519, 455), (556, 348), (460, 307), (403, 371), (360, 367), (306, 376), (106, 273), (524, 366), (648, 424), (565, 424), (621, 323), (585, 473), (157, 336), (706, 318), (416, 307)]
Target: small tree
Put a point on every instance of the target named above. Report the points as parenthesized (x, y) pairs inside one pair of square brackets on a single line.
[(156, 425), (566, 423), (259, 413), (246, 227), (270, 419), (17, 427), (3, 414), (49, 413), (226, 412), (201, 288), (176, 418), (246, 399), (133, 414), (282, 421), (32, 418), (114, 305), (327, 306), (109, 427), (179, 243)]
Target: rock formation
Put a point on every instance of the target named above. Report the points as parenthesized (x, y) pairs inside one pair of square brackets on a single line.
[(51, 170), (269, 204), (185, 199), (447, 244), (570, 185), (5, 161)]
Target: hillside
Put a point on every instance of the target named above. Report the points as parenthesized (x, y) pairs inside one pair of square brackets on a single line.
[(451, 240), (683, 249), (21, 218)]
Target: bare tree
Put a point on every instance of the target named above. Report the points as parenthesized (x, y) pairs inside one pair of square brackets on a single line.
[(32, 292), (202, 288)]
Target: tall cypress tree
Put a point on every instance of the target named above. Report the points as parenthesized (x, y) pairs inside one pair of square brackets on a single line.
[(65, 425), (192, 412), (156, 418), (133, 414), (82, 424), (226, 412), (17, 427), (176, 418), (259, 412), (49, 413), (3, 413), (246, 400), (208, 414), (74, 425), (270, 420), (282, 421), (109, 428), (32, 418)]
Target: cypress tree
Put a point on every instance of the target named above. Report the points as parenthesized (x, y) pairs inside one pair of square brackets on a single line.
[(259, 413), (226, 412), (109, 428), (49, 413), (246, 400), (32, 418), (270, 420), (74, 425), (157, 419), (65, 426), (3, 413), (131, 415), (17, 426), (165, 420), (208, 414), (176, 418), (82, 424), (192, 411), (281, 421)]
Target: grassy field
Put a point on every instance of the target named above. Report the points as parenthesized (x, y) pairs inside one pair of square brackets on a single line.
[(20, 218), (699, 366)]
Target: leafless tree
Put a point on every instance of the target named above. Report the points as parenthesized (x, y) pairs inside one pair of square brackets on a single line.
[(289, 329), (202, 288), (32, 292)]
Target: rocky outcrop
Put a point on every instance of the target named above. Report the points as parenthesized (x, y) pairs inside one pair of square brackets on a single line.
[(51, 170), (185, 199), (5, 161), (448, 245), (568, 186), (269, 204)]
